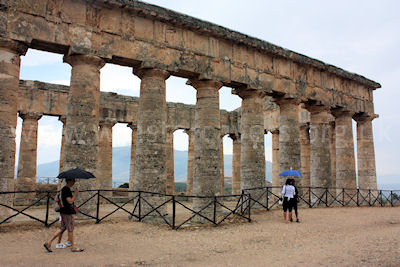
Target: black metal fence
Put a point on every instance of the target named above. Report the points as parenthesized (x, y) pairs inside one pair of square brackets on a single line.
[(140, 206), (178, 211)]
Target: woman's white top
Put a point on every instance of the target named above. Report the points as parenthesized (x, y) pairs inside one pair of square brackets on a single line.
[(288, 191)]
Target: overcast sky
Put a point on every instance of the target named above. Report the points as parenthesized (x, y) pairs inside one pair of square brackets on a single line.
[(358, 36)]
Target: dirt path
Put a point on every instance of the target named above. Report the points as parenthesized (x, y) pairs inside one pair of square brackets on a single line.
[(326, 236)]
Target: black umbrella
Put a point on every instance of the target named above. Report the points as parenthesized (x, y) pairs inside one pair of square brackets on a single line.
[(76, 174)]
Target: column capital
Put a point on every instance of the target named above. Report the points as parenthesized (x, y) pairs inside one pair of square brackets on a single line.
[(63, 119), (207, 84), (339, 112), (170, 130), (133, 126), (304, 126), (76, 60), (248, 93), (235, 136), (29, 115), (14, 46), (363, 117), (109, 123), (274, 131), (281, 101), (318, 113), (150, 72)]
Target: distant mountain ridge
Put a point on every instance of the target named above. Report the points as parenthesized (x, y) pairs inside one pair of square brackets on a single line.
[(121, 165)]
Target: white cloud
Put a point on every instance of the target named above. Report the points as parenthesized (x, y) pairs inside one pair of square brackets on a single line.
[(38, 58), (114, 78)]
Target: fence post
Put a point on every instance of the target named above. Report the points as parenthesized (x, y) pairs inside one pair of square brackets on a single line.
[(249, 207), (343, 197), (140, 206), (47, 209), (391, 198), (309, 197), (326, 197), (369, 197), (215, 210), (173, 212), (380, 196), (358, 197), (98, 206), (267, 198)]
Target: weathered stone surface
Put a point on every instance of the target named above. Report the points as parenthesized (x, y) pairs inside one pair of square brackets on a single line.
[(169, 152), (190, 167), (275, 162), (320, 155), (26, 177), (252, 158), (10, 52), (236, 152), (81, 141), (332, 147), (207, 153), (289, 135), (365, 153), (133, 156), (305, 154), (222, 166), (345, 162), (104, 164), (150, 166)]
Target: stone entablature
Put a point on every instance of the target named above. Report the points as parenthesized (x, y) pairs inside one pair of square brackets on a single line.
[(52, 99), (133, 33)]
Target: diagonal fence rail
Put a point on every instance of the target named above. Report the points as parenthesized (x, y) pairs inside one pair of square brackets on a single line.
[(180, 211)]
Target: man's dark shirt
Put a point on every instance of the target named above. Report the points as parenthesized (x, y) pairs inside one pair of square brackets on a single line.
[(67, 208)]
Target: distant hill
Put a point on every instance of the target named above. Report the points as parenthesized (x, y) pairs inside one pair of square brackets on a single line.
[(121, 165)]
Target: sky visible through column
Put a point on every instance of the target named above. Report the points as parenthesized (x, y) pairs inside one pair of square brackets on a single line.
[(358, 36)]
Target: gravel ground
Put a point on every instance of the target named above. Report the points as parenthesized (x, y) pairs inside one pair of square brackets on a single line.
[(367, 236)]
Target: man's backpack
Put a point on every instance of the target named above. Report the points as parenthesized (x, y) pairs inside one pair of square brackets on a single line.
[(58, 202)]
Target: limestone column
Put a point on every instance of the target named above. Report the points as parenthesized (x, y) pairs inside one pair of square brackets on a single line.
[(289, 137), (207, 147), (252, 160), (26, 177), (236, 164), (81, 142), (169, 146), (150, 166), (365, 153), (333, 154), (190, 170), (320, 155), (275, 162), (104, 168), (10, 52), (305, 153), (345, 162), (133, 156), (63, 119), (222, 166)]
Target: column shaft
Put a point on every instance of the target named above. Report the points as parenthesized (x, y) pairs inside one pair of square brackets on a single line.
[(104, 169), (305, 154), (26, 177), (207, 144), (333, 154), (169, 146), (252, 160), (236, 164), (345, 162), (222, 167), (133, 157), (9, 86), (320, 155), (63, 119), (81, 141), (289, 135), (365, 153), (275, 161), (189, 183)]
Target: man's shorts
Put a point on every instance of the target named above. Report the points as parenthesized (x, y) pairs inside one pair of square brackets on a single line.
[(67, 222)]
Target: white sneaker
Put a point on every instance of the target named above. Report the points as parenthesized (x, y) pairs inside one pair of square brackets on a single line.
[(68, 244), (61, 245)]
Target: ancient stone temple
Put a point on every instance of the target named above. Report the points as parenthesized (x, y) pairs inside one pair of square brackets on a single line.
[(306, 104)]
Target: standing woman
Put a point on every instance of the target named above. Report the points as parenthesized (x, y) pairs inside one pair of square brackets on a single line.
[(288, 192), (295, 201)]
